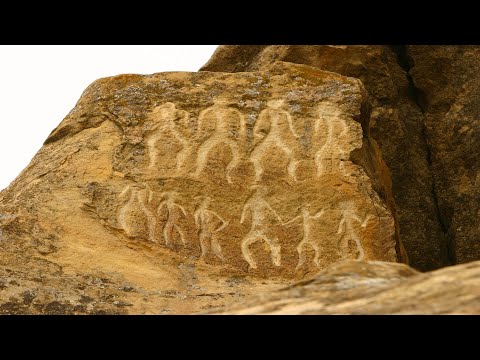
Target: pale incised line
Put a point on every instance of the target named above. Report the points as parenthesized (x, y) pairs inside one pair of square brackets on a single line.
[(137, 201), (307, 240), (347, 222), (258, 207), (171, 222), (332, 149), (270, 130), (206, 234), (168, 118), (227, 122)]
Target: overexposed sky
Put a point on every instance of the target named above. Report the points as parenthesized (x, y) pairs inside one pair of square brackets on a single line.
[(40, 84)]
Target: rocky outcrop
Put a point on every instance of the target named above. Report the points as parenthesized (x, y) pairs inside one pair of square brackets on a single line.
[(448, 78), (187, 192), (369, 288), (156, 190), (411, 89)]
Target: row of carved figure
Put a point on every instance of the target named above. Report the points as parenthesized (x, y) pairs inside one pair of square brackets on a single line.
[(223, 124), (209, 223)]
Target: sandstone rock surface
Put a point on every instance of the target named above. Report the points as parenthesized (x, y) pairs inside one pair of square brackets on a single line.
[(177, 192), (425, 121), (361, 288)]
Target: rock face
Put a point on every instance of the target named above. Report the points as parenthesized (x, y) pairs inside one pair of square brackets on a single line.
[(158, 192), (447, 78), (425, 120), (373, 288), (187, 192)]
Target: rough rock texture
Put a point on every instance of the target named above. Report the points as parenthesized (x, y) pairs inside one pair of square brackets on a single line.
[(177, 192), (373, 288), (448, 80), (412, 142)]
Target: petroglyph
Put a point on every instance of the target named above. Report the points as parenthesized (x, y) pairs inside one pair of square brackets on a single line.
[(346, 228), (330, 125), (168, 120), (219, 124), (134, 215), (259, 209), (209, 223), (174, 213), (308, 236), (274, 128)]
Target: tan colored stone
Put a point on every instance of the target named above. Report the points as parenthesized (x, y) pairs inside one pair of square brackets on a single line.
[(175, 185), (397, 124), (372, 288)]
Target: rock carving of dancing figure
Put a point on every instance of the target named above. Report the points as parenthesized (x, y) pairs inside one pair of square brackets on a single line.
[(330, 155), (346, 228), (219, 124), (274, 127), (259, 209), (168, 119), (174, 214), (209, 223), (135, 213), (308, 239)]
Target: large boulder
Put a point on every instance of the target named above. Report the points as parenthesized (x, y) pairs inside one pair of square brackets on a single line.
[(158, 192)]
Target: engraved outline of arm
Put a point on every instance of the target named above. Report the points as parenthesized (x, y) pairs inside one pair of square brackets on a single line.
[(318, 215), (197, 217), (292, 220), (339, 231), (365, 222), (271, 209), (262, 126), (242, 126), (182, 119), (246, 208), (182, 209), (224, 222), (124, 193), (202, 125), (290, 124)]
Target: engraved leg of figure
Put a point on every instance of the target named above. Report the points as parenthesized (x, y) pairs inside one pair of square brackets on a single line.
[(293, 163), (235, 159), (256, 157), (217, 249), (182, 159), (275, 250), (168, 232), (204, 237), (251, 238), (361, 253), (343, 244), (152, 151), (181, 234), (203, 151), (151, 221), (316, 248), (301, 255), (320, 158)]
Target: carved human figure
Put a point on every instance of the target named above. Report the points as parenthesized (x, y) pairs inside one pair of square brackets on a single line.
[(331, 126), (219, 124), (168, 119), (135, 212), (274, 127), (346, 228), (308, 239), (259, 209), (209, 223), (174, 213)]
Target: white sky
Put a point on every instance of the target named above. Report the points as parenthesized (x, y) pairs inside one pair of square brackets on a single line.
[(40, 84)]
